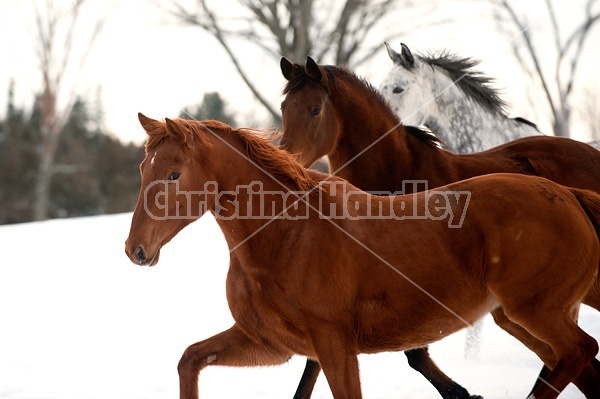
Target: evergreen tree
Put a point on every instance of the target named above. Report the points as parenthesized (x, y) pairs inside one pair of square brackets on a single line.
[(212, 107), (18, 163), (94, 173)]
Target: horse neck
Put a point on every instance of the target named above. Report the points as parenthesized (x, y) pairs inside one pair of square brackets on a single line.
[(247, 199), (396, 156), (464, 124), (371, 129)]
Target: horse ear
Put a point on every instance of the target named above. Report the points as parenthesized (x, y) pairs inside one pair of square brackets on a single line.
[(147, 123), (313, 70), (407, 56), (287, 68), (175, 131), (394, 56)]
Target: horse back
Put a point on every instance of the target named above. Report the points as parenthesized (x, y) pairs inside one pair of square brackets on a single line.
[(562, 160)]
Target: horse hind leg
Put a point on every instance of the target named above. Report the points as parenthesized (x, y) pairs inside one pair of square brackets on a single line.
[(587, 381), (420, 360), (308, 380), (564, 347)]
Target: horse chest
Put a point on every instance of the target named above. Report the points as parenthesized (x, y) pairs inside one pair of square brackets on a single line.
[(260, 313)]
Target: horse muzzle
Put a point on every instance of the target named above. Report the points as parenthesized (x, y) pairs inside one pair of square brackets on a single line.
[(139, 256)]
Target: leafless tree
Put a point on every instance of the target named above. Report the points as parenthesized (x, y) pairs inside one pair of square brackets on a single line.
[(557, 82), (589, 116), (336, 31), (56, 30)]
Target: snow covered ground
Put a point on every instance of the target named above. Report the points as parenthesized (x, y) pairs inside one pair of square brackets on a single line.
[(78, 321)]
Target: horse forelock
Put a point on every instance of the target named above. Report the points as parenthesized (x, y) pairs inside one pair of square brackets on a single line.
[(298, 80), (474, 84), (155, 135)]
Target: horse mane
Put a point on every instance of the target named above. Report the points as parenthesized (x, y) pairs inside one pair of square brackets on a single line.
[(335, 73), (278, 163), (474, 84), (427, 135), (274, 161), (526, 122)]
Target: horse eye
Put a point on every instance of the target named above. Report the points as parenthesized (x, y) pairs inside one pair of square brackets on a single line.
[(397, 90), (174, 176), (315, 111)]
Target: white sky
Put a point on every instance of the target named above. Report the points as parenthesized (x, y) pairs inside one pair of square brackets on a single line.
[(141, 63)]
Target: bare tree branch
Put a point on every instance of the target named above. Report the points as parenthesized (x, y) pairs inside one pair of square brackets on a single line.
[(558, 91), (589, 113), (524, 29), (219, 36), (555, 28), (582, 32), (336, 30)]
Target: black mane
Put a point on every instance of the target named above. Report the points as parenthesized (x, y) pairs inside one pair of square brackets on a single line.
[(300, 78), (473, 83)]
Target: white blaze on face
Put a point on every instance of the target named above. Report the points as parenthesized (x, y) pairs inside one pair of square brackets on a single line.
[(153, 158)]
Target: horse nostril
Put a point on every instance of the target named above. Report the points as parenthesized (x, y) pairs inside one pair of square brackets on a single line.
[(139, 254)]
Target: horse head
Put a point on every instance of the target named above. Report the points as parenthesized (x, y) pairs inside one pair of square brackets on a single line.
[(170, 174), (311, 124), (407, 86)]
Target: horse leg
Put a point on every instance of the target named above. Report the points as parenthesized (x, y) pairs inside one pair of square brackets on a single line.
[(337, 354), (586, 381), (308, 380), (228, 348), (420, 360), (545, 371)]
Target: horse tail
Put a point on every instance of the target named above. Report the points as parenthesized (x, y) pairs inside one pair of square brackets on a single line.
[(590, 202)]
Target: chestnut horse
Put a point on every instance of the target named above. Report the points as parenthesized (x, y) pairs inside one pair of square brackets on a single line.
[(329, 111), (521, 246)]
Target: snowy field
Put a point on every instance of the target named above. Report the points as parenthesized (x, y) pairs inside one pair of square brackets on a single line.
[(79, 321)]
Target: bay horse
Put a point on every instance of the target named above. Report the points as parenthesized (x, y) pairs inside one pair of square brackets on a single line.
[(518, 245), (329, 111), (447, 95)]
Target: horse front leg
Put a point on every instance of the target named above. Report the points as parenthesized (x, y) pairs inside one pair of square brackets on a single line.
[(228, 348), (337, 354), (420, 360)]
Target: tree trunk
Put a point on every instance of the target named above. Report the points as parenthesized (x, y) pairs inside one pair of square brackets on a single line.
[(561, 122), (47, 155), (42, 193)]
